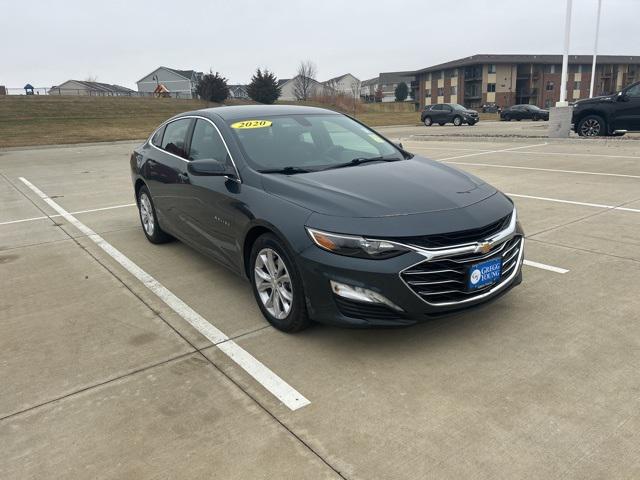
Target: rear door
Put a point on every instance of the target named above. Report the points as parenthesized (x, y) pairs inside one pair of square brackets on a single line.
[(447, 113), (166, 172), (436, 113), (627, 115)]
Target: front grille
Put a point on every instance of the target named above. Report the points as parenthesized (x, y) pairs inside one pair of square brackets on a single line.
[(366, 311), (444, 280), (457, 238)]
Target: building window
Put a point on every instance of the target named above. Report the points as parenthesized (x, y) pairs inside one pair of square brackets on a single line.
[(550, 69), (441, 74), (453, 90), (441, 91), (491, 68), (550, 86), (491, 87), (428, 77), (548, 103), (427, 93), (577, 84), (453, 73)]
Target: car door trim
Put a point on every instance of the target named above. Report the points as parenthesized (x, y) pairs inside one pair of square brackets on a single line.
[(235, 167)]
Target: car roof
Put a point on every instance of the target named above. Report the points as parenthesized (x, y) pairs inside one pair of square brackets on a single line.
[(243, 112)]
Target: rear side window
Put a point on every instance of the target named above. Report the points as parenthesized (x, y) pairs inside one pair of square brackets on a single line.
[(436, 107), (157, 137), (174, 138), (207, 143)]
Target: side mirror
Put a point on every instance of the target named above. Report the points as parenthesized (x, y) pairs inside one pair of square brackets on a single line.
[(622, 97), (399, 145), (209, 167)]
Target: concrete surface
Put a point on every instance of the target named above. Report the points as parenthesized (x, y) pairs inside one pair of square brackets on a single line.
[(100, 379)]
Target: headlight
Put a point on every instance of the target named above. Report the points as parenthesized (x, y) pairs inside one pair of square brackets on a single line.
[(354, 246)]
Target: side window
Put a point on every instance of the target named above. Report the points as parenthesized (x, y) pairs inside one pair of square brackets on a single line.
[(206, 143), (447, 108), (633, 91), (157, 137), (437, 107), (174, 137)]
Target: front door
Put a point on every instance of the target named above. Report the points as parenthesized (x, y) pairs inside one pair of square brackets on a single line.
[(627, 115), (212, 212)]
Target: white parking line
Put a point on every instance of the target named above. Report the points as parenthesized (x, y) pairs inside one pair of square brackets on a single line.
[(261, 373), (487, 152), (522, 152), (582, 172), (72, 213), (543, 266), (585, 204)]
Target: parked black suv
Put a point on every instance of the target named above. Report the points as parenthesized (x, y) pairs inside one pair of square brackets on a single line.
[(608, 115), (442, 113), (524, 111)]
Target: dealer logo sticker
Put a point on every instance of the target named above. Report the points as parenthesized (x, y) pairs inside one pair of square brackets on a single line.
[(475, 276)]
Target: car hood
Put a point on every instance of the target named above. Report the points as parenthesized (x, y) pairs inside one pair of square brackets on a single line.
[(588, 101), (381, 189)]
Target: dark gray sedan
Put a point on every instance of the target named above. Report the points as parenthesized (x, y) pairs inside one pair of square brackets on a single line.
[(326, 218)]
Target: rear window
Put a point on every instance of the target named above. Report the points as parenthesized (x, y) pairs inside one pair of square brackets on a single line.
[(157, 137)]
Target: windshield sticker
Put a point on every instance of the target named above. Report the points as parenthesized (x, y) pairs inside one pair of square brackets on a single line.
[(252, 124), (375, 138)]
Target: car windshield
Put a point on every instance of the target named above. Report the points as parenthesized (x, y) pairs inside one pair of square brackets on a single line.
[(302, 143), (457, 106), (534, 107)]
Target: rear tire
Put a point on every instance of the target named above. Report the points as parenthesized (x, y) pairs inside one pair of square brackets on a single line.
[(277, 285), (149, 219), (427, 121), (507, 118), (592, 126), (457, 121)]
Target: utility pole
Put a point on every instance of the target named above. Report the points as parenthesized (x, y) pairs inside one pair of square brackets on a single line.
[(565, 58), (595, 51)]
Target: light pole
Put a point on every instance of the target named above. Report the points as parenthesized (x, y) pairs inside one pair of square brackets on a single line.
[(565, 58), (595, 51)]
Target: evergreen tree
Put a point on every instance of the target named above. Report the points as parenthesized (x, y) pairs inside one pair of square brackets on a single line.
[(263, 87), (401, 92), (213, 88)]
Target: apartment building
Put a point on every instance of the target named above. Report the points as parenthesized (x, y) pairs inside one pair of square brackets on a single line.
[(513, 79)]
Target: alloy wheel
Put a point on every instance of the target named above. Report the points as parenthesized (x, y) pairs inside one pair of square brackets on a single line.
[(273, 283), (146, 214), (590, 128)]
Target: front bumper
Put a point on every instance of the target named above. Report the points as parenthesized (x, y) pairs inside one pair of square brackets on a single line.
[(319, 267)]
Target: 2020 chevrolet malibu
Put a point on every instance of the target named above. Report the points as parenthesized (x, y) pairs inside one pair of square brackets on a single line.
[(327, 219)]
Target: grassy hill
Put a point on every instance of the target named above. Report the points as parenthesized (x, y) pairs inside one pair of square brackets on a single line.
[(46, 120)]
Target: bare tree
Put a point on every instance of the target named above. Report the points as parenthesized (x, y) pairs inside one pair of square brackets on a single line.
[(303, 84), (356, 87), (91, 78)]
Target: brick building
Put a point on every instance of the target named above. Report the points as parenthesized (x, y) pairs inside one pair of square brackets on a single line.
[(513, 79)]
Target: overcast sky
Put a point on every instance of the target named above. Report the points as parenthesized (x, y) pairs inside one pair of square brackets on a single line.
[(46, 43)]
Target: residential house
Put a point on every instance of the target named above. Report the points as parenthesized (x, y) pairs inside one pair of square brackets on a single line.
[(86, 88), (346, 84), (386, 83), (287, 89), (179, 83), (515, 79), (238, 91)]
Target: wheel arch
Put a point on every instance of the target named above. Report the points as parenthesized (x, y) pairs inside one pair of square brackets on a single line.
[(253, 233), (137, 186)]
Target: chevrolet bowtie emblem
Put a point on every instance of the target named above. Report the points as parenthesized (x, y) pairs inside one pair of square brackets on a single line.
[(483, 247)]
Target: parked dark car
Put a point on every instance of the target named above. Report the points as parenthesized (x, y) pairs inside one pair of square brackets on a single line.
[(608, 115), (442, 113), (524, 112), (490, 108), (328, 220)]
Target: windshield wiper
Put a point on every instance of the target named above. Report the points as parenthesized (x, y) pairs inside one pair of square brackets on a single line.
[(360, 161), (287, 170)]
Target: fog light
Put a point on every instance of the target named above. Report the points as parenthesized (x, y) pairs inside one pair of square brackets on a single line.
[(360, 294)]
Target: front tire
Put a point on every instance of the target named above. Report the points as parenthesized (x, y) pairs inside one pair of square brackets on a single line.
[(149, 219), (427, 121), (592, 126), (277, 285), (507, 118), (457, 121)]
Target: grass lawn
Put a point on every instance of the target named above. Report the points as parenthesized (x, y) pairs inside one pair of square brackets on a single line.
[(47, 120)]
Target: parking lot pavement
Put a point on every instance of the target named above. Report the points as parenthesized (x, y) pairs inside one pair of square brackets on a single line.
[(541, 383), (483, 129)]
